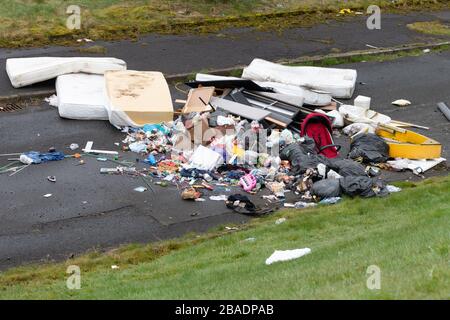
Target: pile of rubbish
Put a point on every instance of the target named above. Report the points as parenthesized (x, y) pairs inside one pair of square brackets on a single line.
[(271, 131)]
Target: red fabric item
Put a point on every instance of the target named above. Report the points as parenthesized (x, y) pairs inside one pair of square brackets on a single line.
[(318, 127)]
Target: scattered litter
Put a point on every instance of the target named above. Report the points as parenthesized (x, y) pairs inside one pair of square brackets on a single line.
[(393, 189), (222, 197), (444, 109), (416, 166), (332, 200), (300, 205), (114, 267), (88, 149), (47, 195), (51, 178), (140, 189), (286, 255), (52, 100), (401, 102), (426, 50), (232, 228), (280, 221), (190, 194), (34, 157), (251, 239), (272, 129)]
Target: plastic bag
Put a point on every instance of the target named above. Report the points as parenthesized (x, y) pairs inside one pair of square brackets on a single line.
[(348, 167), (370, 147), (326, 188), (302, 156), (363, 186)]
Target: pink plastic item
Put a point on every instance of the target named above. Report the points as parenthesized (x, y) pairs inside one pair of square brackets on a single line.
[(248, 182)]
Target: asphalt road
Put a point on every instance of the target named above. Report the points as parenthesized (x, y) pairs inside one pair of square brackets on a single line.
[(89, 210), (174, 54)]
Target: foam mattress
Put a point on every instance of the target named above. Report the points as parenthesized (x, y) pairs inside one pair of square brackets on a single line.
[(340, 83), (136, 98), (81, 96), (26, 71)]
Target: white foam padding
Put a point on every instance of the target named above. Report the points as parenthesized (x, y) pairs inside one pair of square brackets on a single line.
[(340, 83), (25, 71), (81, 96)]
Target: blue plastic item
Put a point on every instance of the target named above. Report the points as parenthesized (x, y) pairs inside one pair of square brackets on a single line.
[(38, 157), (152, 127), (150, 160)]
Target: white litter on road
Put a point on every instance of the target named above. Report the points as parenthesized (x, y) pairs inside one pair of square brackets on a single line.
[(286, 255), (401, 103)]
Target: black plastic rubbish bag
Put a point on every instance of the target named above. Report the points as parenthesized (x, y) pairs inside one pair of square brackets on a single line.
[(326, 188), (302, 156), (348, 167), (370, 147), (363, 186)]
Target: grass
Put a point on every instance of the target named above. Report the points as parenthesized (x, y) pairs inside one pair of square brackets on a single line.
[(406, 235), (431, 27), (41, 22), (96, 49)]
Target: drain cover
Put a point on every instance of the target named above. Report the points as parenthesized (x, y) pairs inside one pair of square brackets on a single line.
[(10, 107)]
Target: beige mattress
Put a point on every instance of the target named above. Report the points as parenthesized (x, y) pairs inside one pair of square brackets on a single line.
[(136, 98)]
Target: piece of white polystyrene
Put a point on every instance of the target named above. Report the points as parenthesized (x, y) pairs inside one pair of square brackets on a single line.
[(361, 115), (81, 96), (340, 83), (26, 71)]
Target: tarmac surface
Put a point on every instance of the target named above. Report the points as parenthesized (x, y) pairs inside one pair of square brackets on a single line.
[(90, 210), (175, 54)]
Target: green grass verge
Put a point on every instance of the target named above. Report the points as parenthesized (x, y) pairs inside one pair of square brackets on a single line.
[(43, 22), (406, 235), (431, 27)]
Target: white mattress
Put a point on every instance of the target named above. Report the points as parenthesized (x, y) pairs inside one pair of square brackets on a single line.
[(26, 71), (81, 96), (308, 96), (340, 83)]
